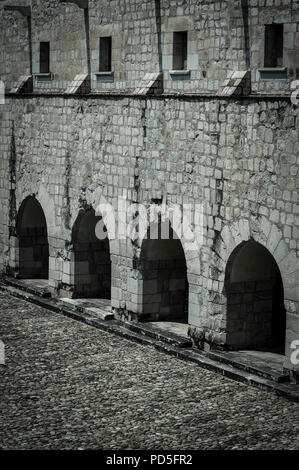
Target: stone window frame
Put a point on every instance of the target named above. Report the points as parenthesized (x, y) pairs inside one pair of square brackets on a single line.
[(271, 73), (109, 30), (180, 24), (38, 75)]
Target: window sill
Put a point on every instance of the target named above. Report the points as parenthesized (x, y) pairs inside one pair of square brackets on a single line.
[(104, 77), (273, 73), (43, 77), (180, 74), (104, 74)]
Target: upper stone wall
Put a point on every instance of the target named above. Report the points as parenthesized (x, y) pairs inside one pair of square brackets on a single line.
[(223, 36), (14, 45)]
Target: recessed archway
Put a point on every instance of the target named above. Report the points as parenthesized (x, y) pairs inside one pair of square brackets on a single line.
[(33, 240), (92, 263), (256, 315), (164, 277)]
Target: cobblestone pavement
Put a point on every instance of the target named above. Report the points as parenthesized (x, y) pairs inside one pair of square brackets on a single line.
[(67, 385)]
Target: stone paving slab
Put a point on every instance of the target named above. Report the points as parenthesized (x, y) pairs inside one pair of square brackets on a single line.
[(160, 332), (39, 287), (258, 362), (98, 308), (67, 385)]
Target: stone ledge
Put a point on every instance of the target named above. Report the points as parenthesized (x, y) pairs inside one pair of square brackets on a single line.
[(104, 74), (163, 96), (243, 361), (43, 77), (82, 306), (273, 73), (40, 291), (179, 73)]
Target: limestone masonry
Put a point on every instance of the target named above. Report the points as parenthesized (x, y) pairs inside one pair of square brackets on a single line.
[(159, 103)]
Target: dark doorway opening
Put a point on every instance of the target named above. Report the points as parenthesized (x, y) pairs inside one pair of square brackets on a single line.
[(256, 315), (92, 264), (164, 274), (33, 241)]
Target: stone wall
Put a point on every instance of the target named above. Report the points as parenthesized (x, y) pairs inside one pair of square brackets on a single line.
[(14, 51), (249, 312), (33, 253), (236, 157), (222, 37)]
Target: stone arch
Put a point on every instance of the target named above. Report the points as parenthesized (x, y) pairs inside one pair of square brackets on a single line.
[(191, 247), (98, 203), (256, 315), (91, 257), (47, 204), (268, 235), (32, 235)]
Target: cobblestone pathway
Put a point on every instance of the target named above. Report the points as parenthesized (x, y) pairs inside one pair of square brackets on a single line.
[(68, 386)]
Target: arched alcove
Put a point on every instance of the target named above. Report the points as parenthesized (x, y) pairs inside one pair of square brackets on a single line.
[(164, 275), (92, 264), (33, 240), (256, 316)]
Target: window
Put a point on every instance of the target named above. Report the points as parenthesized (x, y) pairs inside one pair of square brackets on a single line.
[(44, 57), (105, 54), (273, 45), (180, 40)]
